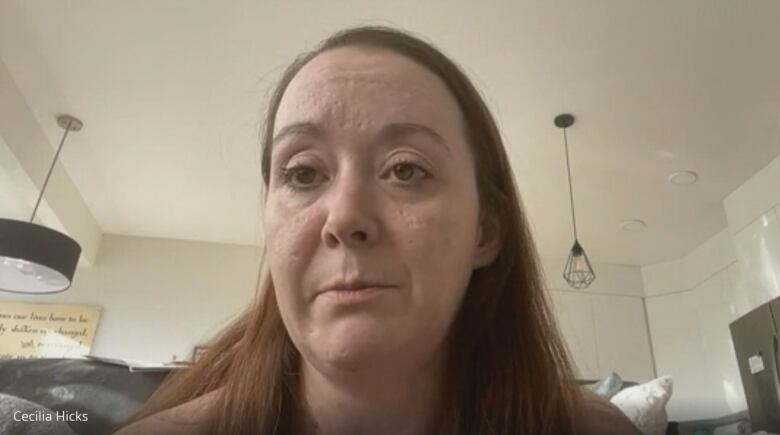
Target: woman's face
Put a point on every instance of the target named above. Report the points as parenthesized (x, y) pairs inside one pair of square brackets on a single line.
[(372, 185)]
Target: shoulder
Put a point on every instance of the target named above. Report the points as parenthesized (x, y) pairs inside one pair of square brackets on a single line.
[(599, 416), (190, 418)]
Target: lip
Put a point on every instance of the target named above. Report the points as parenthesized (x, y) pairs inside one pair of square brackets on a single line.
[(354, 295), (352, 288)]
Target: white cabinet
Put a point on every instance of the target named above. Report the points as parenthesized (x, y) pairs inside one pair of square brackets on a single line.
[(605, 334), (677, 345), (716, 307), (692, 342), (758, 252), (622, 339), (575, 320)]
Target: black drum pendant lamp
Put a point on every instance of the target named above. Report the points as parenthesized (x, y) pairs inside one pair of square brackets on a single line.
[(35, 259), (578, 272)]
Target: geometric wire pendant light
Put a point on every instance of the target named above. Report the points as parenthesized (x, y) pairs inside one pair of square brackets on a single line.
[(35, 259), (578, 271)]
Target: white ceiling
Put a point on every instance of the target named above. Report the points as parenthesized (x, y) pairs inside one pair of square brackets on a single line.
[(172, 95)]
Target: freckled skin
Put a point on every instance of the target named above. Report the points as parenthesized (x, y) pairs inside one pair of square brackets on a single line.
[(422, 238)]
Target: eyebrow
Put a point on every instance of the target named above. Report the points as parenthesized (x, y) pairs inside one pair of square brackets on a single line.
[(400, 129), (390, 131), (304, 128)]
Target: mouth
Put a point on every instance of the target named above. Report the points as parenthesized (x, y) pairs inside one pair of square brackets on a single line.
[(354, 287), (353, 294)]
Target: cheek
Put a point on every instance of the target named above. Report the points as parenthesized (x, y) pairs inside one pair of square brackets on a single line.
[(437, 251), (438, 242), (292, 237)]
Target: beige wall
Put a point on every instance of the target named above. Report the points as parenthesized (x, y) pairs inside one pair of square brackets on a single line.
[(160, 297)]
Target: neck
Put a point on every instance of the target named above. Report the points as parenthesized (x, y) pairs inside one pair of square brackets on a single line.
[(394, 400)]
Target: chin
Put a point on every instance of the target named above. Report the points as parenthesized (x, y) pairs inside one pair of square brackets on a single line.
[(353, 351)]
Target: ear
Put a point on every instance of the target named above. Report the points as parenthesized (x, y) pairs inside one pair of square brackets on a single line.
[(488, 242)]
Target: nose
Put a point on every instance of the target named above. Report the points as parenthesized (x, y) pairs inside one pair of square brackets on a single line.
[(352, 215)]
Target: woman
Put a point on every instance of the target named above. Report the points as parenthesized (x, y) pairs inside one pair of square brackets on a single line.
[(402, 293)]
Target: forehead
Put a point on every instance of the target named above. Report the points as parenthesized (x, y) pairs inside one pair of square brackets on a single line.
[(367, 87)]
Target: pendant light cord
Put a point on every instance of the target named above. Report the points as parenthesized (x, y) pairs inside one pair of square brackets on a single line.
[(51, 169), (571, 193)]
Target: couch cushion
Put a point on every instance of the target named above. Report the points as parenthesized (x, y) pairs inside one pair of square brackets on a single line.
[(108, 394), (22, 417), (645, 404), (607, 387)]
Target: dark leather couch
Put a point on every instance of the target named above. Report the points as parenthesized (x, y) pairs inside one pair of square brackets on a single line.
[(107, 393)]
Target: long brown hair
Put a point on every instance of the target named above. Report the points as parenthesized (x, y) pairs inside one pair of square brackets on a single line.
[(508, 372)]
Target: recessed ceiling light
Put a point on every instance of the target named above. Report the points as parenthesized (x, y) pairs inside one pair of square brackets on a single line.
[(683, 178), (633, 225)]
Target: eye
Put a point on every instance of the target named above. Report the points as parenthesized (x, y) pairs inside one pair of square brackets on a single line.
[(407, 171), (300, 177)]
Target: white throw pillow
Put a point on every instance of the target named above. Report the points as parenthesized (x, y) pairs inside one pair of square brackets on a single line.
[(645, 404)]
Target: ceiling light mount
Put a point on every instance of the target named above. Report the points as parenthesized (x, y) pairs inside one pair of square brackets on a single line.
[(70, 123), (564, 120)]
